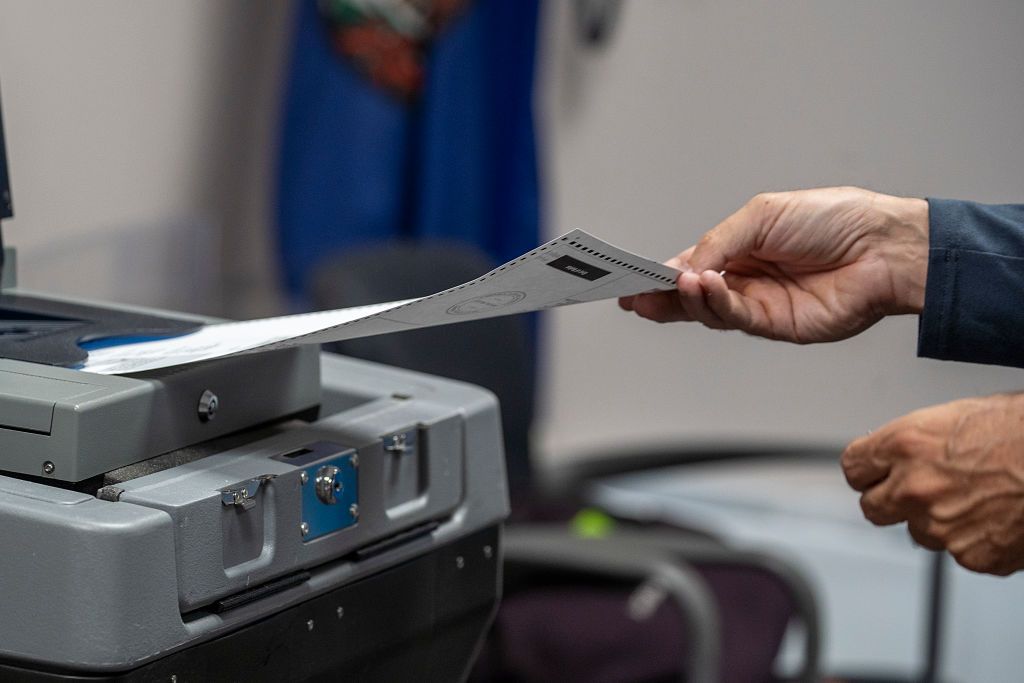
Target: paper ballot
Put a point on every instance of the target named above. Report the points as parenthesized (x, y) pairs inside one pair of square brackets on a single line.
[(574, 268)]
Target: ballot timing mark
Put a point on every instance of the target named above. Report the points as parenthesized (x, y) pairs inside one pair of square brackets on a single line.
[(567, 264)]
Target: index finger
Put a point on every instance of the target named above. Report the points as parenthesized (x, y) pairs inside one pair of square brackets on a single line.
[(661, 308), (733, 238), (862, 463), (681, 261)]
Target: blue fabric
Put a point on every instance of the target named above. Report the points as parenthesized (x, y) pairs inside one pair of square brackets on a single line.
[(358, 165), (974, 298)]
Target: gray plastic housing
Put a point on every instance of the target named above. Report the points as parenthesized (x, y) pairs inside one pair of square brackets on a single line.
[(70, 425), (100, 585)]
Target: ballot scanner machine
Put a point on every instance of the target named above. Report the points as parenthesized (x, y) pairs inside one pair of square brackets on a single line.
[(286, 515)]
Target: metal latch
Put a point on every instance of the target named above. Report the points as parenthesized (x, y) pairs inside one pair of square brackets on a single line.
[(244, 493), (397, 444)]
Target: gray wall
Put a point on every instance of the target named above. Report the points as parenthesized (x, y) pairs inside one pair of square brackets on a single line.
[(139, 138), (696, 106)]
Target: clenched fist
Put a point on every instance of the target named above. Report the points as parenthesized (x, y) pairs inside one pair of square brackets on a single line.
[(955, 474)]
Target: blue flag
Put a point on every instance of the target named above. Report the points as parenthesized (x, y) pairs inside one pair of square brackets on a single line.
[(403, 127)]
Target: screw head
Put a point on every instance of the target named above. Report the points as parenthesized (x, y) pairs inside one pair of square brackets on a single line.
[(303, 477), (304, 528), (488, 552), (309, 625), (353, 510), (49, 467), (340, 612), (460, 562), (208, 406)]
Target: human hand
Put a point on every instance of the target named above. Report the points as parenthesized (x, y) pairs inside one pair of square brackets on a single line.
[(955, 474), (806, 266)]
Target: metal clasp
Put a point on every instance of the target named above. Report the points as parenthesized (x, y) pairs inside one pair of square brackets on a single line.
[(244, 493), (397, 444)]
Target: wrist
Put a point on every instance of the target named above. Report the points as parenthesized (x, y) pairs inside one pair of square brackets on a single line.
[(906, 249)]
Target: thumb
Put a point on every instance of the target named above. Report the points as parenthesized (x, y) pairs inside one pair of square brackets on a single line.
[(735, 237)]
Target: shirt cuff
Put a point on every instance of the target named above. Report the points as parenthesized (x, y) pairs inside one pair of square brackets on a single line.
[(935, 323)]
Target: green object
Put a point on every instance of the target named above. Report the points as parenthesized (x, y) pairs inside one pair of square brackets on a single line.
[(591, 523)]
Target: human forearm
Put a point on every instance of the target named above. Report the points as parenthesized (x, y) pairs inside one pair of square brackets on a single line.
[(806, 266)]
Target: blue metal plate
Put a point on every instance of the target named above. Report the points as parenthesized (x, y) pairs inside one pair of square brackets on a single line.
[(323, 518)]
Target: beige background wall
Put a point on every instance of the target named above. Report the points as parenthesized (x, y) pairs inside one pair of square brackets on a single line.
[(141, 136), (697, 105), (139, 145)]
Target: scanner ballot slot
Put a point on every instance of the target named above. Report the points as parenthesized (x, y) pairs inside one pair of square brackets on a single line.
[(21, 325)]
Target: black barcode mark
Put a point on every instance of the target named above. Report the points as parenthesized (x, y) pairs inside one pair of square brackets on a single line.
[(623, 264)]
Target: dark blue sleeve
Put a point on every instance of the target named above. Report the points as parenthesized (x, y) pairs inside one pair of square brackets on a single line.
[(974, 298)]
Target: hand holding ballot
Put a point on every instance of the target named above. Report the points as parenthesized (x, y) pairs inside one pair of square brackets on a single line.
[(808, 266)]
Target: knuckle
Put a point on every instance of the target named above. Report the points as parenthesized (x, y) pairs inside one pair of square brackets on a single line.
[(914, 489), (761, 205), (940, 532), (861, 473), (905, 442), (975, 560), (855, 478), (1002, 541), (848, 460), (944, 513), (711, 321), (707, 240), (869, 511), (1002, 569), (924, 539), (853, 455), (873, 511), (903, 493)]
